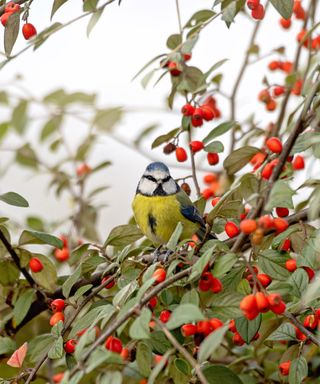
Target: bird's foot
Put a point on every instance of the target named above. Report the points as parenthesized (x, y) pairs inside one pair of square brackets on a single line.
[(161, 256)]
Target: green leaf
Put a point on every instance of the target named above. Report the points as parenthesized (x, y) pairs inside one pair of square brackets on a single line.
[(192, 80), (215, 147), (273, 264), (124, 294), (223, 264), (248, 328), (201, 263), (50, 127), (191, 297), (298, 370), (139, 329), (173, 41), (230, 10), (15, 199), (19, 115), (218, 131), (111, 377), (183, 366), (93, 21), (173, 241), (239, 158), (34, 237), (39, 346), (11, 32), (199, 17), (164, 138), (213, 68), (9, 273), (285, 234), (56, 351), (284, 7), (123, 235), (7, 345), (211, 343), (89, 5), (55, 6), (22, 306), (107, 119), (184, 313), (48, 276), (26, 156), (286, 331), (227, 209), (280, 196), (299, 281), (4, 128), (220, 374), (87, 338), (71, 280), (144, 358)]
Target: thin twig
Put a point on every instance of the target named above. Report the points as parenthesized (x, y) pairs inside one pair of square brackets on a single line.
[(193, 167)]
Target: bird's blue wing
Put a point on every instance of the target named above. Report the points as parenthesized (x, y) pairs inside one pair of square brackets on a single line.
[(188, 210)]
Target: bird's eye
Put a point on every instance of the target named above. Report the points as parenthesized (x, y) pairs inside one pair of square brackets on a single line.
[(166, 179), (151, 178)]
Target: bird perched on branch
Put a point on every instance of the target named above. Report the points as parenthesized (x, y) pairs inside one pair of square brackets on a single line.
[(160, 204)]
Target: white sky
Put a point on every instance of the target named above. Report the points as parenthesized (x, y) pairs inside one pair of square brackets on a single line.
[(125, 38)]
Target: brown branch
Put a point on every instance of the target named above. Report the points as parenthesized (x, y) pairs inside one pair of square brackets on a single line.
[(301, 328), (193, 166), (182, 350)]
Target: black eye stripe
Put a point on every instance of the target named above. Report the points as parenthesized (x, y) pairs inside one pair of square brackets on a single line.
[(166, 179), (150, 178)]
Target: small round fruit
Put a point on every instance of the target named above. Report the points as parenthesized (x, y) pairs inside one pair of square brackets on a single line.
[(258, 13), (159, 275), (113, 344), (70, 346), (248, 226), (285, 23), (83, 170), (262, 302), (280, 224), (57, 378), (57, 305), (62, 254), (188, 330), (274, 144), (298, 163), (165, 316), (110, 284), (213, 158), (174, 68), (285, 368), (35, 265), (282, 212), (54, 319), (12, 7), (231, 229), (196, 146), (181, 154), (28, 31), (153, 302), (187, 110)]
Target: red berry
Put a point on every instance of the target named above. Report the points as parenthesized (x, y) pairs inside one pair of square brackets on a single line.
[(196, 122), (291, 265), (4, 18), (278, 91), (264, 96), (186, 56), (35, 265), (62, 254), (70, 346), (274, 144), (159, 275), (298, 163), (124, 353), (276, 304), (267, 171), (311, 322), (285, 23), (216, 323), (210, 178), (113, 344), (57, 378), (215, 201), (207, 193), (264, 279), (216, 286), (231, 229), (188, 330), (54, 319), (280, 224), (262, 302), (258, 13), (249, 304), (207, 112), (273, 65), (213, 158), (237, 339), (165, 316), (153, 302), (83, 169), (204, 327), (28, 31), (248, 226), (57, 305), (205, 281), (253, 4), (282, 212), (266, 222), (310, 272), (232, 326), (299, 335), (284, 368), (174, 68), (196, 146), (271, 105), (286, 245), (181, 154), (187, 110), (109, 285), (64, 239), (12, 7)]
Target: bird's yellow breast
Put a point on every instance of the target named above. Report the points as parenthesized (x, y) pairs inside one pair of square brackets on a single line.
[(158, 216)]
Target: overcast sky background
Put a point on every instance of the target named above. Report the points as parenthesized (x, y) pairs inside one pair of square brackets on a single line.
[(125, 38)]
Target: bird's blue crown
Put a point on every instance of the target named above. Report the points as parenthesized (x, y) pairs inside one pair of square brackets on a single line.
[(157, 166)]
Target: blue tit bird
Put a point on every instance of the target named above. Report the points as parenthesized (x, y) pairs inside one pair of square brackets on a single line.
[(159, 204)]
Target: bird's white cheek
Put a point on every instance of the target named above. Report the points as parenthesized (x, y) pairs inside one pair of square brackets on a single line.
[(147, 187), (170, 187)]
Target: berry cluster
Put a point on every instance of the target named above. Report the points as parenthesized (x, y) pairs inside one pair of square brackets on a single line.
[(205, 112), (257, 9), (253, 304), (64, 253)]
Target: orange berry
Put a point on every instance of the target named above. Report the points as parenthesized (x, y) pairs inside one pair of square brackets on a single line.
[(285, 368), (159, 275), (188, 330), (83, 169), (262, 302), (207, 193), (271, 105), (207, 113), (54, 319), (264, 96), (266, 222), (210, 178), (273, 65), (278, 91), (253, 4), (280, 224), (264, 279), (62, 254), (124, 353), (204, 327), (232, 326), (285, 23), (249, 304), (248, 226), (57, 378), (274, 144), (298, 163), (12, 7), (216, 323), (181, 154)]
